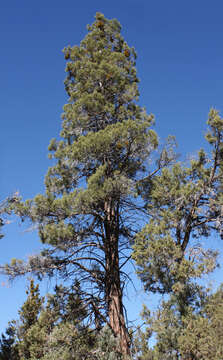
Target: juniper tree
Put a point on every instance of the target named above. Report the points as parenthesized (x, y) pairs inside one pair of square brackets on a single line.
[(171, 328), (88, 215), (198, 335), (185, 203), (202, 337)]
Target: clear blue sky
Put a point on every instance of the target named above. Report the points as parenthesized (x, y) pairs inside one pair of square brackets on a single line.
[(180, 62)]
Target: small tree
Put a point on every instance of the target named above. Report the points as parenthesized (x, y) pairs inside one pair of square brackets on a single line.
[(8, 347), (56, 329), (185, 204), (28, 317), (107, 346), (197, 335), (202, 337)]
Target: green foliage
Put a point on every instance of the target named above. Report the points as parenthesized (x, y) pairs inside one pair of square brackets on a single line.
[(184, 203), (106, 137), (54, 330), (99, 193), (65, 343), (107, 346), (202, 336), (140, 345), (195, 335), (106, 141), (28, 316), (5, 210), (8, 347), (31, 308)]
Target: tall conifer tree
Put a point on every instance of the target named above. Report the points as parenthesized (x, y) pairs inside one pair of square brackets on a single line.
[(88, 214)]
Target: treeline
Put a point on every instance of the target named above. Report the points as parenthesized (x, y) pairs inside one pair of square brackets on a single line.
[(114, 197)]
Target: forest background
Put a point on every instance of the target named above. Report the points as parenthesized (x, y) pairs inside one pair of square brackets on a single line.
[(179, 66)]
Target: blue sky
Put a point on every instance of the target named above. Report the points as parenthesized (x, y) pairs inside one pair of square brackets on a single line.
[(180, 57)]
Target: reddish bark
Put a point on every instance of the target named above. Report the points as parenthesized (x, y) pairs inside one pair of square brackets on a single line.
[(112, 281)]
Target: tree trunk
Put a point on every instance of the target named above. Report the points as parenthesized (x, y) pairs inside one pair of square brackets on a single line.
[(112, 280), (116, 317)]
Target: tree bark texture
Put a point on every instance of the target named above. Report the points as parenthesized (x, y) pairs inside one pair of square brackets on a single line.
[(112, 280)]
